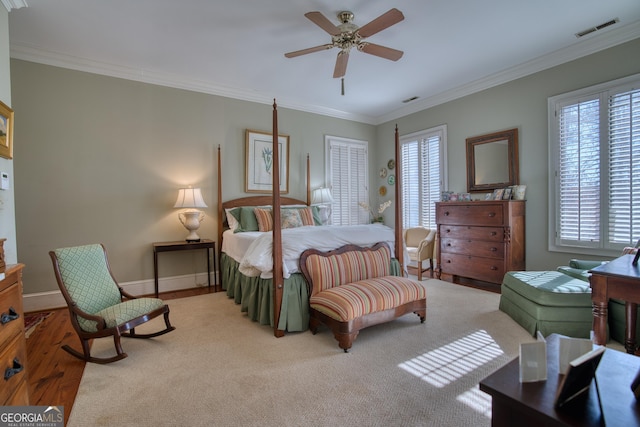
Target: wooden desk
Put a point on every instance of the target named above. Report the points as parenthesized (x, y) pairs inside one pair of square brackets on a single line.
[(532, 404), (183, 245), (616, 279)]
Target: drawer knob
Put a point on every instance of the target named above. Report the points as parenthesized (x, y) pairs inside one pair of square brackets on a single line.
[(493, 233), (446, 213), (492, 214), (494, 249), (17, 367), (8, 317), (494, 268)]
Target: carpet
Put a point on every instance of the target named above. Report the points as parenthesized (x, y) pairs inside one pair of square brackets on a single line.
[(31, 321), (218, 368)]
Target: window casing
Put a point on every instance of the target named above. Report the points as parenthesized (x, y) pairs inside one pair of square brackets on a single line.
[(594, 158), (423, 160), (348, 178)]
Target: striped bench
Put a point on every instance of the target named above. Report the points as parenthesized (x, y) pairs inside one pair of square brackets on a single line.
[(352, 288)]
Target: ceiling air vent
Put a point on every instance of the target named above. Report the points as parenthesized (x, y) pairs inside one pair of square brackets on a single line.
[(413, 98), (597, 27)]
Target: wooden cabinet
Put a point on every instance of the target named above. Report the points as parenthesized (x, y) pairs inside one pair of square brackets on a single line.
[(13, 346), (480, 240)]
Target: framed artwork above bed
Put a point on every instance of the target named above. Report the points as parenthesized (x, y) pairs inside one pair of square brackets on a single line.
[(259, 162)]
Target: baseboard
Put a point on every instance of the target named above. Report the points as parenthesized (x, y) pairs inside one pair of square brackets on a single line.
[(42, 301)]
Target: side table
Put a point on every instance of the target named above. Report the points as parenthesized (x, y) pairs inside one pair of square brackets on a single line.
[(532, 404), (616, 279), (183, 245)]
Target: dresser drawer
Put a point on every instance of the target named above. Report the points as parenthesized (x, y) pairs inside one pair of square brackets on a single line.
[(486, 269), (475, 248), (11, 298), (472, 233), (470, 214), (15, 349)]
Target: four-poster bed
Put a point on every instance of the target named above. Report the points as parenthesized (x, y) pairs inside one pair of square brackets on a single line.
[(260, 270)]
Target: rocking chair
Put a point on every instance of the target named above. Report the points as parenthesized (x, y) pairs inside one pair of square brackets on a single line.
[(98, 306)]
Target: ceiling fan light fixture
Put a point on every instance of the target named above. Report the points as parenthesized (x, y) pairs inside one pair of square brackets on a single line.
[(347, 35)]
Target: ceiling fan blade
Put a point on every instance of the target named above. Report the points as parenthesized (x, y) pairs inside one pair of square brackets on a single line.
[(321, 21), (308, 50), (381, 51), (341, 64), (383, 21)]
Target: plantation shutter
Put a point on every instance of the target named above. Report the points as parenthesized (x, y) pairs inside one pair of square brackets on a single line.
[(624, 166), (348, 180), (421, 178), (579, 173)]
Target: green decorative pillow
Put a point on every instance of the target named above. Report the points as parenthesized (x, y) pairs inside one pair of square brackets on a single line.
[(246, 219)]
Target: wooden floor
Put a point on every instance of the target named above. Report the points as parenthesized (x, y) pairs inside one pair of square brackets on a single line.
[(54, 375)]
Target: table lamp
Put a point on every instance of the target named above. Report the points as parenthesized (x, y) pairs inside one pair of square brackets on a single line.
[(322, 197), (190, 198)]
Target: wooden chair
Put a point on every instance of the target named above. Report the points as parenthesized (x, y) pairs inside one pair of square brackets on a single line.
[(98, 306), (420, 243)]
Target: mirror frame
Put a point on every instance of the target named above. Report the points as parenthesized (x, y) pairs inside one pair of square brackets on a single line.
[(511, 136)]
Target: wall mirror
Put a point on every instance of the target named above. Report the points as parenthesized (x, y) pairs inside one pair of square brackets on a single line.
[(492, 161)]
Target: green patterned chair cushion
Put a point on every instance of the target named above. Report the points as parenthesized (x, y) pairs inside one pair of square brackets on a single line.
[(122, 313), (85, 273)]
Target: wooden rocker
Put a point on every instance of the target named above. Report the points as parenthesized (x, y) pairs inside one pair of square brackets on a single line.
[(98, 306)]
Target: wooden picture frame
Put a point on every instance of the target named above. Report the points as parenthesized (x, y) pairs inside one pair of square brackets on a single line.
[(258, 147), (6, 131)]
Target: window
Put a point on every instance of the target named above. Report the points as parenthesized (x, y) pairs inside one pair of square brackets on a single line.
[(422, 157), (594, 138), (347, 169)]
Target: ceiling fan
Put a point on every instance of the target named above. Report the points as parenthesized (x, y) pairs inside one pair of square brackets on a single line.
[(347, 35)]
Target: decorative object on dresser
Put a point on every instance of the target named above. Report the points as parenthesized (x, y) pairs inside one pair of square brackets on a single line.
[(13, 347), (480, 240), (190, 198)]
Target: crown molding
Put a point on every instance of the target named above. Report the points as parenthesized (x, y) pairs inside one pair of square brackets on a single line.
[(14, 4), (593, 44), (577, 50)]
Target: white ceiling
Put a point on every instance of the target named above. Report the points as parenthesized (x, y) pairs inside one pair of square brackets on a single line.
[(236, 49)]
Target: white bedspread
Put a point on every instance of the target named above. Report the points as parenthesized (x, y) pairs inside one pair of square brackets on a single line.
[(258, 258)]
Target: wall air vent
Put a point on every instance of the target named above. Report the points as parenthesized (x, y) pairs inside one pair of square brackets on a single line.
[(413, 98), (597, 27)]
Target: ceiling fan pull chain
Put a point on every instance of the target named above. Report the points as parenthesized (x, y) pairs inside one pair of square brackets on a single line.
[(343, 86)]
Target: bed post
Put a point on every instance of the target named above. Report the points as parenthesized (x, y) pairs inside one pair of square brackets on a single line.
[(220, 218), (278, 279), (308, 182), (398, 211)]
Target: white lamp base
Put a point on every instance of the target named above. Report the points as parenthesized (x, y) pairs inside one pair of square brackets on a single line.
[(191, 221)]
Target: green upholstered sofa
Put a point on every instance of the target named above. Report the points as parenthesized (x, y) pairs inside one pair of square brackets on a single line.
[(558, 301)]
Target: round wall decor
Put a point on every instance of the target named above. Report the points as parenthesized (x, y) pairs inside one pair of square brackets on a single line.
[(391, 164), (391, 180), (383, 173), (383, 190)]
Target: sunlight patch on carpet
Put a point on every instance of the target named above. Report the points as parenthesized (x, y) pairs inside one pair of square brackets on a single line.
[(477, 400), (452, 361)]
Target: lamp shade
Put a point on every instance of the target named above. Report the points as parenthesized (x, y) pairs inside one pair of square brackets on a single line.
[(321, 196), (190, 198)]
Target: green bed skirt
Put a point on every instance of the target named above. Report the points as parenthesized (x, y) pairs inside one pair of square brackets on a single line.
[(255, 296)]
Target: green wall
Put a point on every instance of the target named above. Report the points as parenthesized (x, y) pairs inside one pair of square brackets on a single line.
[(100, 159), (518, 104)]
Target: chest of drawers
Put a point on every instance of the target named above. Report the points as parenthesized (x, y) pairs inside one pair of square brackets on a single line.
[(13, 347), (480, 240)]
